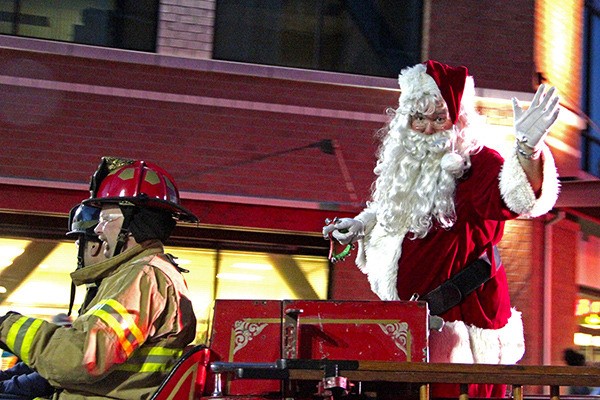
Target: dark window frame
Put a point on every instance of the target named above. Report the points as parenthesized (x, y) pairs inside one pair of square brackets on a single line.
[(118, 20), (378, 35), (590, 145)]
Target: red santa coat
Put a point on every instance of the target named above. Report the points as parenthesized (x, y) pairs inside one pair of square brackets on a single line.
[(482, 328), (491, 192), (428, 262)]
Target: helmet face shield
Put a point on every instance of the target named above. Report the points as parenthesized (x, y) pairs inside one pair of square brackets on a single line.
[(83, 220)]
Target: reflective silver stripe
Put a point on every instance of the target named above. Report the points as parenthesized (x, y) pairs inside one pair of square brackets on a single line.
[(152, 359), (21, 334), (122, 323)]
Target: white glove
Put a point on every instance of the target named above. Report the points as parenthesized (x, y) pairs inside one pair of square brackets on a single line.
[(344, 230), (531, 125)]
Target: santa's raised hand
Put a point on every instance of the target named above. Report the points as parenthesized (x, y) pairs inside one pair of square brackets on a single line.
[(532, 125)]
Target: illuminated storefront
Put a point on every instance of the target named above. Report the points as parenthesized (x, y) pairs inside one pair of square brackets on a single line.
[(224, 274), (587, 338)]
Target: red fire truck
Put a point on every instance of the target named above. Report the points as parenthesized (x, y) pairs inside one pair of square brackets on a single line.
[(367, 350)]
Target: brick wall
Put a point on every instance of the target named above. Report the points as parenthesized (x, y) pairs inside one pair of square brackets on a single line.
[(559, 31), (526, 245), (218, 134), (348, 282), (185, 28), (493, 39), (565, 236), (60, 114), (521, 250)]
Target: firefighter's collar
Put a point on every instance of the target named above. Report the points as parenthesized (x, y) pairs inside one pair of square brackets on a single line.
[(101, 270)]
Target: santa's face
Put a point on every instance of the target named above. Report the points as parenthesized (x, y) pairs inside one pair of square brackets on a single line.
[(436, 122)]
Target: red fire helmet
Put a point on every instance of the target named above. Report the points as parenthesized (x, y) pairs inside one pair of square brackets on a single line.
[(136, 183)]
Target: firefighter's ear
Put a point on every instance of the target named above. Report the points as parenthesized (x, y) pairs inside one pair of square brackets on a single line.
[(95, 248)]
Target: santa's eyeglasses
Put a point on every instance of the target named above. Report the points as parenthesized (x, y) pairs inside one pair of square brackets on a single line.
[(422, 121)]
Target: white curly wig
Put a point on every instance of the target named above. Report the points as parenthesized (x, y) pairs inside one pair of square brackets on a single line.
[(416, 173)]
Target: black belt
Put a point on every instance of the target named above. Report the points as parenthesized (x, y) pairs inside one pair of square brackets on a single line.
[(455, 289)]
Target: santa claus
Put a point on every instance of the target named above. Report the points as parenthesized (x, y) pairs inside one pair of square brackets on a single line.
[(438, 208)]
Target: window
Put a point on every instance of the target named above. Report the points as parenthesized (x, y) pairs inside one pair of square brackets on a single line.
[(125, 24), (591, 91), (367, 37), (42, 290), (587, 312)]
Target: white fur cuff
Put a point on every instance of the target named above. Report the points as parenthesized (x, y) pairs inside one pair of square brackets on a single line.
[(517, 192)]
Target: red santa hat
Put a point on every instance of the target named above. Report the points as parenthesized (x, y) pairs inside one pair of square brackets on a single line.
[(433, 77)]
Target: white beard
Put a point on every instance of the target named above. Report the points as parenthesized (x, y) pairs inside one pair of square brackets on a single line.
[(412, 190)]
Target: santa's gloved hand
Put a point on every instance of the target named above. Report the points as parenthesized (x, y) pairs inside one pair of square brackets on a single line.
[(344, 230), (531, 125)]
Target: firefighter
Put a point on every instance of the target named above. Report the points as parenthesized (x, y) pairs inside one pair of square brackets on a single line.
[(21, 381), (438, 209), (140, 319)]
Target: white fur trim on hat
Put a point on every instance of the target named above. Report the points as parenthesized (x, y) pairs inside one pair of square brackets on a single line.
[(415, 82), (517, 192), (460, 343)]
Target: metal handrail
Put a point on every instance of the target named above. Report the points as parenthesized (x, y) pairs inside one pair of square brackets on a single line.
[(464, 374)]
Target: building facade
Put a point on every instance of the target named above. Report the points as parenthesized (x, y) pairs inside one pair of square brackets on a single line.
[(267, 123)]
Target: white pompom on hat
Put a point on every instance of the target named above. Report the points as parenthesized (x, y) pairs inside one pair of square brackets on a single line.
[(453, 163)]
